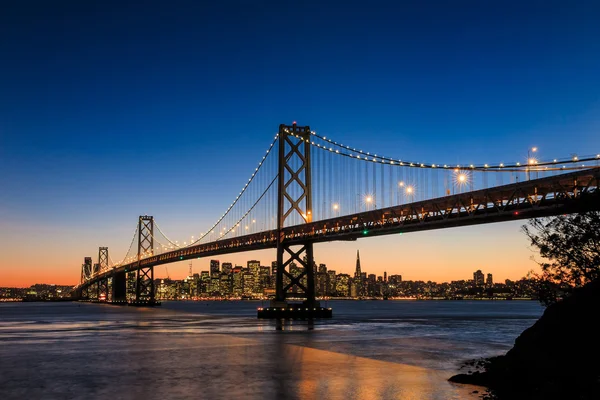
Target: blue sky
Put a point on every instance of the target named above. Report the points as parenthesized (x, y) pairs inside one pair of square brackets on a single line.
[(113, 109)]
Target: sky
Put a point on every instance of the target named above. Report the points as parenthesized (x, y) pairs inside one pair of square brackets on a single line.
[(114, 109)]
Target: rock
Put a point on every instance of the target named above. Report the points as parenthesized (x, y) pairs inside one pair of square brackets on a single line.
[(555, 358)]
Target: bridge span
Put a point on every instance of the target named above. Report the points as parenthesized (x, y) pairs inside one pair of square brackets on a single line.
[(566, 190)]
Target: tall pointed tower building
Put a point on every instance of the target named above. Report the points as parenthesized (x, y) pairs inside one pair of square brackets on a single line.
[(357, 272)]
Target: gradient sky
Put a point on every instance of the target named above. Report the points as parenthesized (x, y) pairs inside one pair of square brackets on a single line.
[(112, 109)]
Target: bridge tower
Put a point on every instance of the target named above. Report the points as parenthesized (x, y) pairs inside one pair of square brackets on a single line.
[(294, 198), (103, 258), (144, 285), (103, 284)]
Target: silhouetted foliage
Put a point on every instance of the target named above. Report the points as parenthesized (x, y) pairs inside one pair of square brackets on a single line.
[(571, 244)]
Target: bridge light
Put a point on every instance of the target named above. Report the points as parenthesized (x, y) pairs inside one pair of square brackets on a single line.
[(365, 232), (368, 199), (401, 184)]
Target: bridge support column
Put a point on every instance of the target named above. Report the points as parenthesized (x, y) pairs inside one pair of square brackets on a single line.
[(102, 288), (295, 264), (119, 288)]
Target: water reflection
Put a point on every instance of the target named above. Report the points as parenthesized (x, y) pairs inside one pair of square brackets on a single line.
[(129, 353)]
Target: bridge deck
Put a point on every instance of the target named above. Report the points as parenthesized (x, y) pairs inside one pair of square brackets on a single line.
[(561, 194)]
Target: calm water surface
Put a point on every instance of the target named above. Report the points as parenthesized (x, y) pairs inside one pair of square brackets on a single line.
[(219, 350)]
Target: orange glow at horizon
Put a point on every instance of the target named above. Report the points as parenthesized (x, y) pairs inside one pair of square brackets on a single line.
[(440, 255)]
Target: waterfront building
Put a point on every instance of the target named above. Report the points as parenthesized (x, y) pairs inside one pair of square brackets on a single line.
[(478, 278), (248, 284), (254, 268), (214, 268), (226, 268), (342, 287)]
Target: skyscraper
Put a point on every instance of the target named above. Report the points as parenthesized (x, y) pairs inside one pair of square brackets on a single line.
[(254, 269), (274, 268), (226, 268), (357, 272), (478, 278), (489, 281), (359, 278), (214, 268)]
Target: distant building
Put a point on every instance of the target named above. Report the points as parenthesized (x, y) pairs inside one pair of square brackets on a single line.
[(478, 278), (225, 285), (254, 269), (204, 283), (489, 281), (214, 268), (238, 284), (357, 272), (264, 278), (395, 279), (342, 287), (226, 268), (248, 284), (359, 279)]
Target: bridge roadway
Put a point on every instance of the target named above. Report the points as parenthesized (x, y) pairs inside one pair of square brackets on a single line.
[(555, 195)]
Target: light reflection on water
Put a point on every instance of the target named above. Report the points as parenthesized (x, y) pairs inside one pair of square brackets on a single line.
[(370, 350)]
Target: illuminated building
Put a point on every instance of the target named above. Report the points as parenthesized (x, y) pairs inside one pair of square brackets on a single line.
[(254, 269), (478, 278), (214, 268)]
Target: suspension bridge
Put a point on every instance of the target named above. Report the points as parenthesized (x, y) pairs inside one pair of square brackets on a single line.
[(308, 188)]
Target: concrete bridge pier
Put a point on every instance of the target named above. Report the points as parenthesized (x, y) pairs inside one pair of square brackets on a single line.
[(119, 288)]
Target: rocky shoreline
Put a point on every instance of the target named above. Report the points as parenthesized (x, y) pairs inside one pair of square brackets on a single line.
[(556, 358)]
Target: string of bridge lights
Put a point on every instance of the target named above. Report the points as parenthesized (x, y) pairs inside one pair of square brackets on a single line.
[(202, 236), (352, 152), (165, 236), (130, 246), (237, 224), (461, 178), (211, 230)]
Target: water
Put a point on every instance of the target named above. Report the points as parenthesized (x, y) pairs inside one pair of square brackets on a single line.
[(219, 350)]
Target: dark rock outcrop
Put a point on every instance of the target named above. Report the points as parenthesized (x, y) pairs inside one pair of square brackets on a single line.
[(557, 358)]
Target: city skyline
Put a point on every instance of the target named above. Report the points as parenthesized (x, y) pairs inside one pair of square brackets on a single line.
[(180, 270), (103, 117)]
